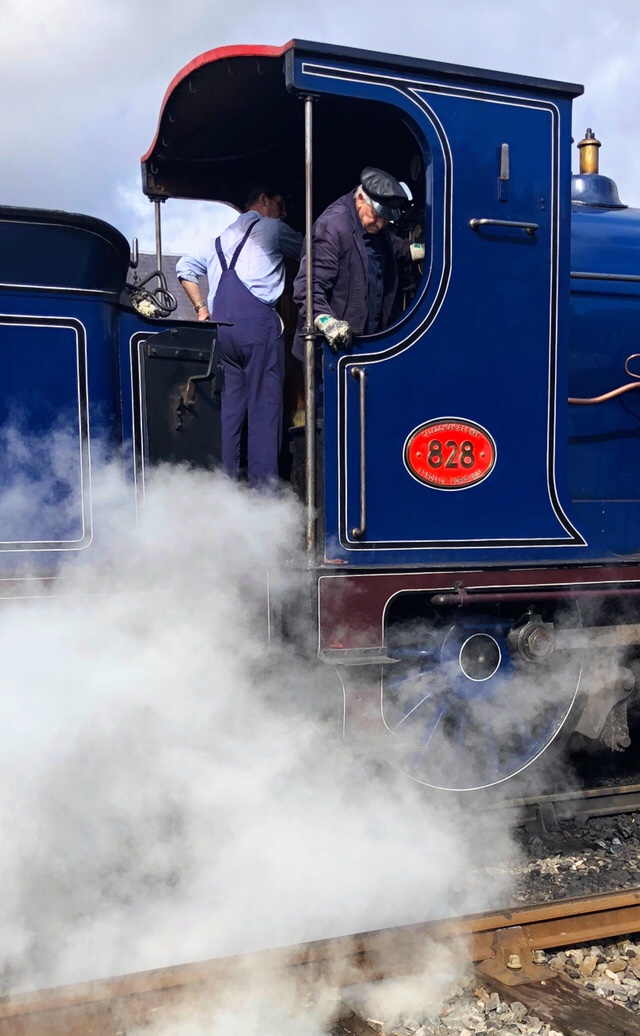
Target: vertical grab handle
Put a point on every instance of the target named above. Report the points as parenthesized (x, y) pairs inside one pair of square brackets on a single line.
[(309, 338), (360, 375)]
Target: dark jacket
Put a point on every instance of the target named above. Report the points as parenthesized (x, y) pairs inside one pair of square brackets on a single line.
[(341, 270)]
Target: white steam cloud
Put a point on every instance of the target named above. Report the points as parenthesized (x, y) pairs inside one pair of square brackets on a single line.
[(170, 788)]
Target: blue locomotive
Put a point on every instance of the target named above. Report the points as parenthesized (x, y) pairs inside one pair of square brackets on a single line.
[(471, 478)]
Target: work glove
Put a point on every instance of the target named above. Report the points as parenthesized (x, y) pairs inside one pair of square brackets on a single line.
[(417, 252), (336, 332)]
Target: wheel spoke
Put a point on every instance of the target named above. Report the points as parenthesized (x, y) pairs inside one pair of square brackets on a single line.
[(469, 720)]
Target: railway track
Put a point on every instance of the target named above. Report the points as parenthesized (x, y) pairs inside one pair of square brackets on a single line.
[(491, 941), (544, 812)]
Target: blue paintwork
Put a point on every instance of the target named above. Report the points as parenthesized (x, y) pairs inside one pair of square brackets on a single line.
[(484, 341), (593, 189), (604, 440), (61, 278)]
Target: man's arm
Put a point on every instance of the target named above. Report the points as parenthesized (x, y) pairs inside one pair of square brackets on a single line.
[(188, 269), (326, 269), (405, 251), (326, 253), (192, 288), (289, 241)]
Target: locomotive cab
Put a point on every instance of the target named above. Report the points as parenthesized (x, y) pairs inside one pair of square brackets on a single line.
[(206, 149), (457, 401)]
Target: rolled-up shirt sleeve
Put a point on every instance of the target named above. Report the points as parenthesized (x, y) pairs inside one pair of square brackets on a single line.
[(190, 267)]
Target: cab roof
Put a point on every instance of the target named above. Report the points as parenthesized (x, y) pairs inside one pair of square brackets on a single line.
[(233, 115)]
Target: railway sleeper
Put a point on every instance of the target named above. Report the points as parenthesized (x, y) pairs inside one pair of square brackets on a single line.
[(520, 974), (568, 1007)]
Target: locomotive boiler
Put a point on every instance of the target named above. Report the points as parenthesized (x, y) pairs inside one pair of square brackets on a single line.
[(470, 474)]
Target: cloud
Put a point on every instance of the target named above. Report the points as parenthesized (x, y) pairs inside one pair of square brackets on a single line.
[(83, 82), (187, 226)]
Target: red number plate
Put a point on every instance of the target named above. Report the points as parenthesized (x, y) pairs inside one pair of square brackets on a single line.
[(450, 454)]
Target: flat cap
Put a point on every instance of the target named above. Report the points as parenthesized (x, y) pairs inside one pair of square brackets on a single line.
[(388, 197)]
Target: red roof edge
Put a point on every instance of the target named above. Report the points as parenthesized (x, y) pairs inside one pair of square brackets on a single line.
[(219, 54)]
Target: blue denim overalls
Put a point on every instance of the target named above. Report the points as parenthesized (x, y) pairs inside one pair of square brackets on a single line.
[(252, 354)]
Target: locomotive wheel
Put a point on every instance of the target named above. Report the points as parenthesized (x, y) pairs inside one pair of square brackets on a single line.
[(468, 716)]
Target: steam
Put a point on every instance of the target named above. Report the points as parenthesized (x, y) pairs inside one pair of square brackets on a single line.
[(41, 476), (172, 789)]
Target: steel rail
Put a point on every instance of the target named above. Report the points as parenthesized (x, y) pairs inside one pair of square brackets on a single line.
[(566, 805), (110, 1005)]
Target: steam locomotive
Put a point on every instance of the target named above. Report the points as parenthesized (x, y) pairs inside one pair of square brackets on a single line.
[(472, 477)]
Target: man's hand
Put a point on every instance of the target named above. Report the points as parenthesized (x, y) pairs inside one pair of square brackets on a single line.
[(336, 332), (203, 314)]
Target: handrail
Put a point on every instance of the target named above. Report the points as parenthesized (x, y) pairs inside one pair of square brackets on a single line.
[(360, 375), (308, 335), (529, 227)]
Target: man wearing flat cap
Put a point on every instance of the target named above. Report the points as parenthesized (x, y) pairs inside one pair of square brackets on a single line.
[(355, 262)]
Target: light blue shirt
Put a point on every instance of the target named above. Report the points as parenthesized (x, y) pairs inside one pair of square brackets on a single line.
[(260, 265)]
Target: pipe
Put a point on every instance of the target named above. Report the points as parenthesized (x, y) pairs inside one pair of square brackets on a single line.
[(614, 392), (462, 597), (309, 337), (607, 395), (156, 205)]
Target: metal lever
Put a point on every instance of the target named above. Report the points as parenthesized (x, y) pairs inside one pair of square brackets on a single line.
[(529, 227), (360, 374), (188, 392)]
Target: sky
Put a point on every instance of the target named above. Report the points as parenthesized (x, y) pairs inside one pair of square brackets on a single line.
[(82, 81)]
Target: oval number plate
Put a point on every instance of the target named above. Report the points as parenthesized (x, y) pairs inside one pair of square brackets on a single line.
[(450, 453)]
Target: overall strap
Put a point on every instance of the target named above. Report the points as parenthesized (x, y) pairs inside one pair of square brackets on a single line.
[(223, 262), (232, 264)]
